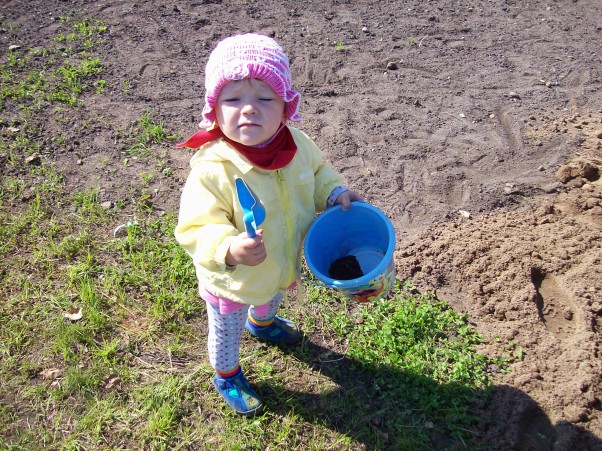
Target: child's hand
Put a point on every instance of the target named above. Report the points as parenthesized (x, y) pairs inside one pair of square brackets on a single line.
[(346, 197), (247, 251)]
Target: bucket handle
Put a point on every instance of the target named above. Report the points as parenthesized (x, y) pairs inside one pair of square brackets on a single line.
[(316, 283)]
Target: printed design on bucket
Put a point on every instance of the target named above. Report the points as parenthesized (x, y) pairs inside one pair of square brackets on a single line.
[(362, 236), (375, 288)]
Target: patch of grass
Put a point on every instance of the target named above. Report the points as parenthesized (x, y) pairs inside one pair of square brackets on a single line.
[(70, 80), (32, 76), (413, 357), (420, 335), (147, 131), (147, 177)]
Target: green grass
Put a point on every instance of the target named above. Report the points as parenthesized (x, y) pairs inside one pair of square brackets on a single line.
[(34, 76), (148, 131), (132, 372)]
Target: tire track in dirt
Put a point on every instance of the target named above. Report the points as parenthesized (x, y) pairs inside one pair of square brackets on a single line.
[(510, 134)]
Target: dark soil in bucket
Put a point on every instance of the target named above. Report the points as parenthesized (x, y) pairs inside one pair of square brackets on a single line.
[(345, 268)]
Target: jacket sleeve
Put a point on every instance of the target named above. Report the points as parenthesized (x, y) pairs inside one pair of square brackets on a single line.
[(205, 229), (326, 178)]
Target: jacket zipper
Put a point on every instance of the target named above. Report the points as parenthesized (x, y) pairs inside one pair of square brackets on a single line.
[(288, 232)]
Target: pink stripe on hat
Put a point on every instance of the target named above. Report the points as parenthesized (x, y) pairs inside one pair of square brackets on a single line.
[(249, 56)]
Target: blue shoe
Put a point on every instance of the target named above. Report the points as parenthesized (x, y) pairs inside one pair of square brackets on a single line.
[(279, 331), (238, 394)]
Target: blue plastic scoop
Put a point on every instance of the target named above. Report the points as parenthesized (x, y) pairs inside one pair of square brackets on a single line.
[(254, 212)]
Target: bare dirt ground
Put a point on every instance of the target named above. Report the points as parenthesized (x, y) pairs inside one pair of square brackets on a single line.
[(475, 125)]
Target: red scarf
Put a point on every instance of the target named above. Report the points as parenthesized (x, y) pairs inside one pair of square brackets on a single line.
[(275, 155)]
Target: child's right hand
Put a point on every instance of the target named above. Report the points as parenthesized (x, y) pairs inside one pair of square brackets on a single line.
[(247, 251)]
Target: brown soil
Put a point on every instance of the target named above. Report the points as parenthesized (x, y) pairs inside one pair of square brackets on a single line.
[(476, 126)]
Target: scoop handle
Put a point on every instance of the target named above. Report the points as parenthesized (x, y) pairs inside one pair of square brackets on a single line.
[(249, 221)]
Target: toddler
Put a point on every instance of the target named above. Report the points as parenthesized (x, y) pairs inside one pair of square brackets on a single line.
[(248, 102)]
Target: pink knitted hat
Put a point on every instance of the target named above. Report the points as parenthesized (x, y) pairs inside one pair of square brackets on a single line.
[(249, 56)]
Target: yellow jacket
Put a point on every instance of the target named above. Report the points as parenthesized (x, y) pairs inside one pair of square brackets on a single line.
[(210, 216)]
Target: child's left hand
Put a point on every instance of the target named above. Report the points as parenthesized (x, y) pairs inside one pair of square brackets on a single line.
[(346, 197)]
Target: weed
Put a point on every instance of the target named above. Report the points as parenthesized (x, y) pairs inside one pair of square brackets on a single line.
[(100, 86), (164, 169), (147, 177), (45, 83), (71, 79), (146, 132)]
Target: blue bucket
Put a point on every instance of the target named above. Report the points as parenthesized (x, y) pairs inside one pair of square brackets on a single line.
[(363, 232)]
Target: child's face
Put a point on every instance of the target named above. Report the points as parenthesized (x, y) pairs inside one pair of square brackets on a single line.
[(249, 111)]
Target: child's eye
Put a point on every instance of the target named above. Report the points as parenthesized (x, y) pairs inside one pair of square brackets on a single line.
[(266, 99), (231, 99)]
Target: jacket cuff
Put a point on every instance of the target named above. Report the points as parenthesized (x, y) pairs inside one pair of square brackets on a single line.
[(222, 251), (334, 195)]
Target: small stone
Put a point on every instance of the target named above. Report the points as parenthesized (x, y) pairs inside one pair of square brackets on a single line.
[(511, 188), (574, 414), (34, 159), (552, 187), (493, 368), (73, 313), (392, 65), (51, 374), (576, 183), (513, 95)]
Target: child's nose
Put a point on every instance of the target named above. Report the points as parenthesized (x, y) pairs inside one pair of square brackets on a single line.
[(248, 108)]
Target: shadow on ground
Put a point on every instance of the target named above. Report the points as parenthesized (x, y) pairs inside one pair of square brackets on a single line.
[(384, 408)]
